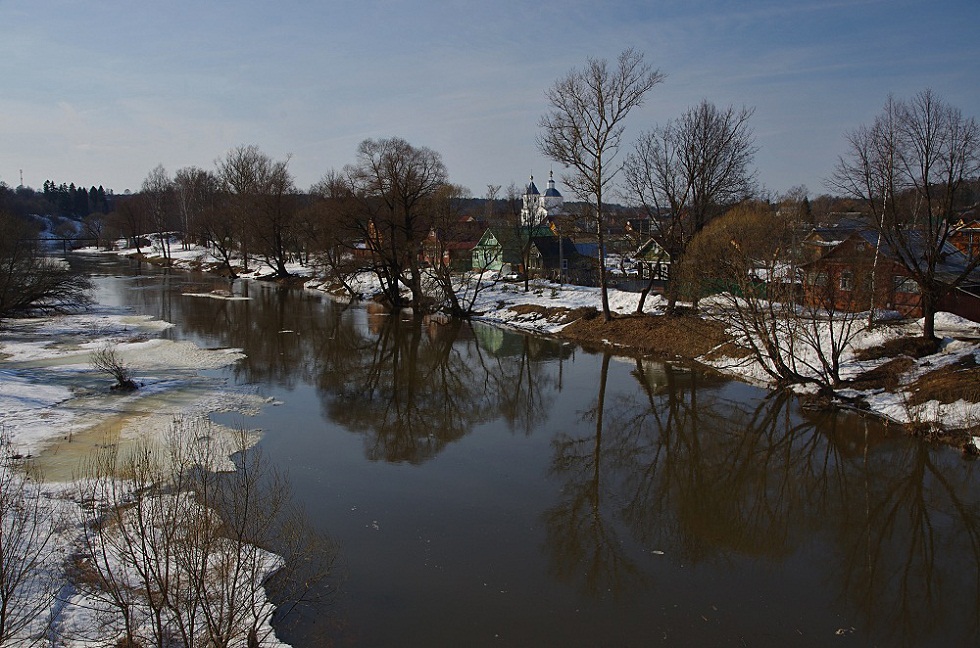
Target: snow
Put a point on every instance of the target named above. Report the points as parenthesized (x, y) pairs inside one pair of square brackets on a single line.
[(48, 386), (50, 394)]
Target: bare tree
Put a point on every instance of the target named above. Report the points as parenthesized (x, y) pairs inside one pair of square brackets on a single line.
[(451, 234), (265, 200), (911, 170), (394, 183), (275, 215), (93, 228), (748, 256), (108, 362), (179, 553), (236, 172), (131, 219), (332, 232), (29, 573), (195, 192), (158, 195), (584, 129), (689, 171)]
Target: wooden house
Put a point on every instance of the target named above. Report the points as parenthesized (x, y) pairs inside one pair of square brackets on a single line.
[(501, 248)]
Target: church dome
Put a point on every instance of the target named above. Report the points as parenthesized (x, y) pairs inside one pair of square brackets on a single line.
[(551, 192), (531, 189)]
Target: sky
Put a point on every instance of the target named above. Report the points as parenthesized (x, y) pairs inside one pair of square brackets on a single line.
[(100, 93)]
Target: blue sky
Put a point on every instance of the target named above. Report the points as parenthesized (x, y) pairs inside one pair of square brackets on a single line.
[(101, 92)]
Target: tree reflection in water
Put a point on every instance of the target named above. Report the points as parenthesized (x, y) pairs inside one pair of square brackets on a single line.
[(662, 459), (417, 386), (580, 537), (675, 467), (913, 549)]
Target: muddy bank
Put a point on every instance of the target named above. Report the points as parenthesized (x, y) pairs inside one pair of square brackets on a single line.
[(677, 336)]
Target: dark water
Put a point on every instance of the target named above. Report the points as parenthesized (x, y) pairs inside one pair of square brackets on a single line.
[(493, 489)]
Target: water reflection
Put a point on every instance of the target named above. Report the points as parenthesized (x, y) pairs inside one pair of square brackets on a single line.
[(673, 467), (418, 386), (636, 458)]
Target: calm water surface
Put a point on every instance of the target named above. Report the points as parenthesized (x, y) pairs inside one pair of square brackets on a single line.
[(493, 489)]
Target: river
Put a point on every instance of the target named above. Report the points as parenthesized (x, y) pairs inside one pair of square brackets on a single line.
[(488, 488)]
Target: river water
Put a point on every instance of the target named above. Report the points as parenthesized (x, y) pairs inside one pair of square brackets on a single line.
[(489, 488)]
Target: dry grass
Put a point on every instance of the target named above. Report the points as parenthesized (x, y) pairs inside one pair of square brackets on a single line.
[(959, 381), (561, 315), (887, 376), (913, 347), (684, 336)]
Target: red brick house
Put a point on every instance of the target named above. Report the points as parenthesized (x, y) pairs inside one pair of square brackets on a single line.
[(842, 274)]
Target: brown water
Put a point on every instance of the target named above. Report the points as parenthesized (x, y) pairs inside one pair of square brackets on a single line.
[(493, 489)]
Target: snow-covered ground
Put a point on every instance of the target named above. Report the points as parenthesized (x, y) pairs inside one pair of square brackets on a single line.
[(55, 408)]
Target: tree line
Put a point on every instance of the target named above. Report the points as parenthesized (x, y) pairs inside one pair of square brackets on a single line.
[(65, 200)]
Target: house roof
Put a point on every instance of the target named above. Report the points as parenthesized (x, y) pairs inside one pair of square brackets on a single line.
[(951, 265), (651, 245), (549, 247), (588, 249)]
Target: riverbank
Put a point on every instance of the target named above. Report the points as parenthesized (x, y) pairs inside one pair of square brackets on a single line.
[(933, 391), (58, 416)]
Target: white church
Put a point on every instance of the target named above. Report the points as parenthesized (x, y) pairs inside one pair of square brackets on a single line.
[(537, 207)]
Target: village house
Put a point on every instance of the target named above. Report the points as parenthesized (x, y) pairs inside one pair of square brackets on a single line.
[(842, 273), (966, 236), (550, 254), (652, 260), (453, 248), (558, 259)]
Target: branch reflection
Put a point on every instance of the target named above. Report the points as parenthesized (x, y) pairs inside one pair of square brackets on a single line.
[(680, 465)]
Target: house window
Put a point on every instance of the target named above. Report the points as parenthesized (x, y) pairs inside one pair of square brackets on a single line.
[(819, 279), (905, 284), (847, 280)]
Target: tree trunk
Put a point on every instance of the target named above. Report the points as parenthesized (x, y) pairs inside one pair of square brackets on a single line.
[(603, 283), (646, 290), (928, 315)]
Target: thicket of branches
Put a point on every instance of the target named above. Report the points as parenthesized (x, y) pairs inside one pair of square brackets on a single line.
[(911, 170), (797, 330), (30, 280), (30, 558), (181, 553)]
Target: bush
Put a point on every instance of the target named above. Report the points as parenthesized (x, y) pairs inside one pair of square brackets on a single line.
[(108, 361)]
